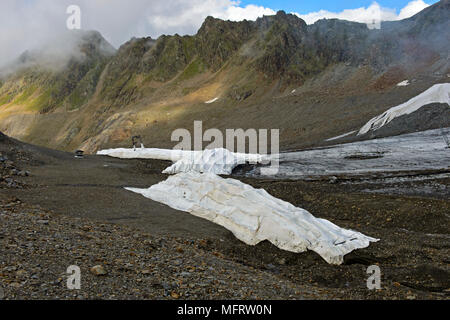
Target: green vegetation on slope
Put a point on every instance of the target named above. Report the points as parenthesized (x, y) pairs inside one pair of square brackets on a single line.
[(196, 67)]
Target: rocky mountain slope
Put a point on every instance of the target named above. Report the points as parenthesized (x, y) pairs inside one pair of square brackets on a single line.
[(310, 81)]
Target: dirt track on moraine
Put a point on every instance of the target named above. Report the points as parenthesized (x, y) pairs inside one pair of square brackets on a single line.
[(413, 253)]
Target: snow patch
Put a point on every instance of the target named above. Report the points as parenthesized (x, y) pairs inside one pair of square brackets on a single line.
[(403, 83), (439, 93), (212, 101), (253, 215), (341, 136)]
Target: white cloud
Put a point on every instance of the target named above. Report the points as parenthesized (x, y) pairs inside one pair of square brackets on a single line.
[(412, 8), (250, 12), (193, 13), (27, 24), (367, 15)]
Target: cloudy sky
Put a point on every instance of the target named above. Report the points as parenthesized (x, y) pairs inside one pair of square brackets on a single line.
[(25, 24)]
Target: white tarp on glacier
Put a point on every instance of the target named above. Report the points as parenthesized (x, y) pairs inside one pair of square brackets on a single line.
[(253, 215), (439, 93), (218, 161), (145, 153)]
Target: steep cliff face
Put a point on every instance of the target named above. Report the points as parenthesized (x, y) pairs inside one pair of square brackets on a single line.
[(217, 40), (275, 72)]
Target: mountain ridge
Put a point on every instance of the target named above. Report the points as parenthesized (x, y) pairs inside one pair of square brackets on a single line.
[(150, 85)]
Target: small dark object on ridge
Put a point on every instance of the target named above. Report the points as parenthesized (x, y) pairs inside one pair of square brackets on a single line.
[(135, 140), (79, 154)]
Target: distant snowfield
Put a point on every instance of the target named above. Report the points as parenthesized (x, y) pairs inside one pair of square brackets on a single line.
[(439, 93), (253, 215)]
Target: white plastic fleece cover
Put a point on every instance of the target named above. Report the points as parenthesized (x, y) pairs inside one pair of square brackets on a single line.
[(439, 93), (253, 215), (218, 161), (145, 153)]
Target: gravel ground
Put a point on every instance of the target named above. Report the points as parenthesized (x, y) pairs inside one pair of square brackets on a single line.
[(118, 262), (8, 173)]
